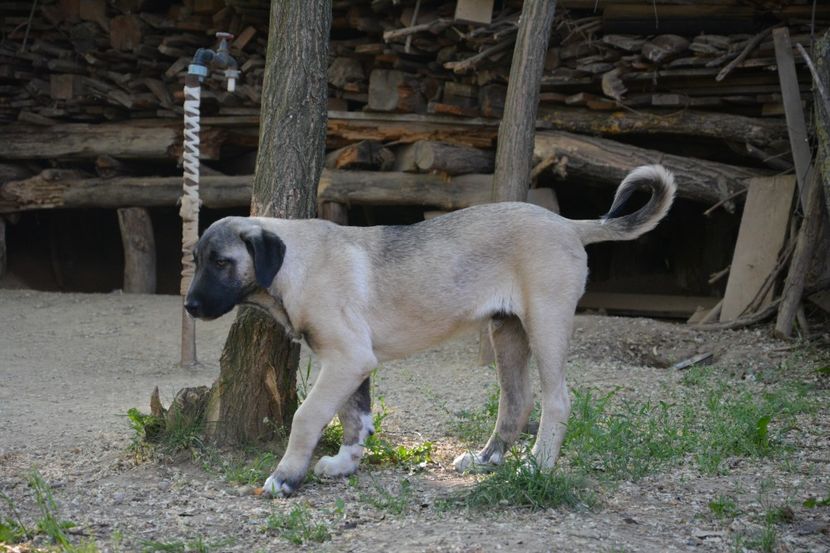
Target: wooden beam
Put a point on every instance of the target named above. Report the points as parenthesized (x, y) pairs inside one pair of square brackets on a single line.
[(793, 109), (374, 188), (655, 305)]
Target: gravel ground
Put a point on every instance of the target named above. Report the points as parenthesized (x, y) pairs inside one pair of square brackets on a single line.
[(71, 365)]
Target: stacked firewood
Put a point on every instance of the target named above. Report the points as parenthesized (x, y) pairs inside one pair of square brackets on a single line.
[(97, 60)]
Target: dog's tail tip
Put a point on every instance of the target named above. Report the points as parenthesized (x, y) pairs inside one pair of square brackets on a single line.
[(616, 226)]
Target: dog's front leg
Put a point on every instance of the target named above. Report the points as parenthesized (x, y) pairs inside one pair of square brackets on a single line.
[(333, 387), (356, 418)]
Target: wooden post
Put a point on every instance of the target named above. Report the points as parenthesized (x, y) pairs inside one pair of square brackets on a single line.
[(139, 250), (334, 212), (3, 256), (514, 152), (808, 236)]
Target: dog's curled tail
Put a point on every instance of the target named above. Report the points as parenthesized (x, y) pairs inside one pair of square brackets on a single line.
[(613, 226)]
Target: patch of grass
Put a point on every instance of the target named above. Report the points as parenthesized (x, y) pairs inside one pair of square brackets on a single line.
[(520, 481), (12, 528), (297, 526), (195, 545), (380, 451), (50, 522), (475, 426), (395, 503), (813, 502), (724, 507), (249, 472), (615, 439), (152, 434)]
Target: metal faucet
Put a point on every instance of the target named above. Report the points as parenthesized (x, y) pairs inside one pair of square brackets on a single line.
[(220, 59)]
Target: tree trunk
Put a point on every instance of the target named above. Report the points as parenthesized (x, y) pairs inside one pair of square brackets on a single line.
[(514, 152), (256, 393)]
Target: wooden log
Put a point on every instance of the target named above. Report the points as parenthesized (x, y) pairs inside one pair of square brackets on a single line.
[(53, 189), (120, 140), (808, 236), (605, 162), (364, 187), (391, 90), (139, 250), (126, 32), (366, 154), (761, 132), (762, 234), (426, 156), (56, 188), (653, 305)]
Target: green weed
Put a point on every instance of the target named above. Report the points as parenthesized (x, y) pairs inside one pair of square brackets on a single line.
[(249, 472), (724, 507), (297, 526), (12, 528), (520, 481), (384, 500)]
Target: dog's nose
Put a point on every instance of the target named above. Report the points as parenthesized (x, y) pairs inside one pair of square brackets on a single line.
[(193, 306)]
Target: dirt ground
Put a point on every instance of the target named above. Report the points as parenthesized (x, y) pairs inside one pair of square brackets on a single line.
[(71, 365)]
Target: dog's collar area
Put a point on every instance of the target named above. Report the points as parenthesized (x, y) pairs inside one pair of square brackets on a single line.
[(271, 304)]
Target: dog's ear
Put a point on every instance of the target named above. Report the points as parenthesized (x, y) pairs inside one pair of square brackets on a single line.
[(267, 251)]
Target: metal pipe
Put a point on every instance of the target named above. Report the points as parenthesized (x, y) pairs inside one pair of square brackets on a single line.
[(203, 60)]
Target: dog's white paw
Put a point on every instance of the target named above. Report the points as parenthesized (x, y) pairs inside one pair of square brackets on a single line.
[(277, 487), (342, 464), (473, 462)]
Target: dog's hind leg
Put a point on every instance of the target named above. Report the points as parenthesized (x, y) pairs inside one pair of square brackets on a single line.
[(550, 328), (356, 418), (510, 344)]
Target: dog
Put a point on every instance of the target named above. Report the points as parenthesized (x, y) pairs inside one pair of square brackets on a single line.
[(362, 295)]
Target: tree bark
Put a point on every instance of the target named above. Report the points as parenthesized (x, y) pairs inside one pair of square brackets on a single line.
[(256, 393), (514, 152), (514, 155)]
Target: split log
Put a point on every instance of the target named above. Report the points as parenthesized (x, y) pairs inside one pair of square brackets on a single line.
[(139, 250), (605, 162), (366, 154), (391, 90), (129, 140), (427, 156)]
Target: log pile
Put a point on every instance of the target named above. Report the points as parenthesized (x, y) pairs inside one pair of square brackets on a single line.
[(91, 98)]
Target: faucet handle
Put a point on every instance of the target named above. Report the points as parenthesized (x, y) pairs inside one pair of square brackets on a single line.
[(224, 36)]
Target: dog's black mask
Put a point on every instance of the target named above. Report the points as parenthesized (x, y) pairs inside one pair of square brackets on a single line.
[(217, 285)]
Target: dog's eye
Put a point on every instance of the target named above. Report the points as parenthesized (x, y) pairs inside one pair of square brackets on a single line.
[(221, 263)]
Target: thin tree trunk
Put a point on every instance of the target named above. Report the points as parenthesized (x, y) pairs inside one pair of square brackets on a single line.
[(514, 152), (255, 396)]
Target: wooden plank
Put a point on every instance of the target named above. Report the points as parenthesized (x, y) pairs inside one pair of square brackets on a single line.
[(474, 11), (656, 305), (761, 236), (793, 110)]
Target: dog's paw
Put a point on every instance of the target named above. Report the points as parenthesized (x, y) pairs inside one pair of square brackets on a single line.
[(473, 462), (344, 463), (276, 486)]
